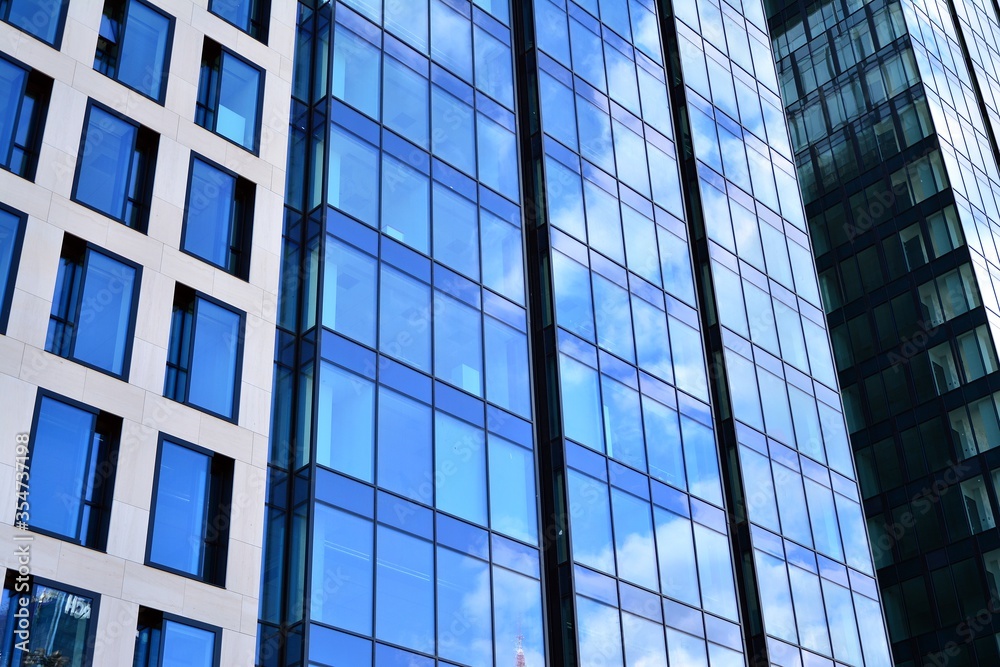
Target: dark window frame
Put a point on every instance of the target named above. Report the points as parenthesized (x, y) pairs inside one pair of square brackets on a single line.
[(37, 87), (244, 203), (108, 453), (7, 298), (122, 7), (220, 502), (56, 43), (87, 248), (213, 56)]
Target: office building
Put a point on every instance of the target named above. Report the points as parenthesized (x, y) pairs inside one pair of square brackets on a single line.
[(551, 380), (893, 121)]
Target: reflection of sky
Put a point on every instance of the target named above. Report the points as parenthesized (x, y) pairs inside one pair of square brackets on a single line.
[(518, 611)]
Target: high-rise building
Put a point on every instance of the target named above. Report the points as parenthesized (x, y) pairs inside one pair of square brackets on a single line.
[(539, 321), (893, 114)]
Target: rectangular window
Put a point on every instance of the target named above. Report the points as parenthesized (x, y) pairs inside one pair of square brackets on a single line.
[(250, 16), (93, 308), (218, 217), (229, 96), (74, 450), (62, 622), (162, 640), (205, 354), (24, 100), (11, 236), (114, 172), (42, 19), (190, 516), (133, 46)]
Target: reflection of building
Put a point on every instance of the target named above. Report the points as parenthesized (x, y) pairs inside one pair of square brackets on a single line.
[(894, 118), (515, 238)]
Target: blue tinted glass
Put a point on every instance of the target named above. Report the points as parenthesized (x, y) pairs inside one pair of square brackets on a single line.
[(558, 112), (595, 135), (456, 231), (604, 228), (353, 176), (614, 318), (405, 204), (843, 631), (873, 639), (212, 380), (186, 646), (622, 423), (651, 342), (702, 459), (503, 265), (822, 513), (181, 509), (356, 64), (465, 634), (588, 55), (678, 571), (370, 8), (12, 81), (405, 585), (775, 597), (404, 446), (144, 49), (615, 14), (590, 516), (208, 227), (405, 318), (512, 481), (551, 32), (41, 18), (715, 572), (760, 501), (791, 504), (621, 79), (777, 417), (640, 245), (458, 349), (689, 356), (643, 642), (405, 100), (600, 633), (60, 456), (103, 330), (454, 136), (451, 39), (634, 539), (342, 570), (581, 402), (494, 69), (239, 97), (663, 443), (564, 198), (408, 20), (838, 448), (103, 172), (238, 12), (507, 382), (499, 9), (517, 613), (497, 152), (655, 107), (809, 613), (349, 292), (853, 531), (574, 304), (645, 31), (460, 468), (665, 180), (9, 231), (345, 422), (630, 154), (683, 649)]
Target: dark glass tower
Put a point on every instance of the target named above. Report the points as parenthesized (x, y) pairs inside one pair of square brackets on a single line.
[(893, 116), (553, 383)]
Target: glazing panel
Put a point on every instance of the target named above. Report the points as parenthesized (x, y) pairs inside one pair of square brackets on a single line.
[(600, 634), (614, 318), (702, 461), (213, 375), (813, 631), (352, 176), (634, 539), (356, 71), (345, 422), (622, 423), (573, 301), (460, 468), (349, 281), (405, 103), (451, 39), (342, 575), (590, 518), (454, 136), (497, 154), (823, 516), (678, 566), (715, 572), (507, 381), (456, 231), (663, 443), (843, 629), (405, 318), (104, 330), (644, 646), (463, 587), (405, 204), (404, 446), (503, 265), (405, 590), (651, 341), (458, 346), (581, 402), (512, 481), (775, 597), (494, 69), (686, 650), (517, 614)]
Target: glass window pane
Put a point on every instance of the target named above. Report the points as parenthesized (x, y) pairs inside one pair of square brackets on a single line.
[(208, 231), (405, 318), (497, 153), (604, 228), (458, 350), (759, 489), (634, 539), (640, 245), (349, 292), (405, 204), (623, 423), (715, 572), (460, 468), (512, 482), (600, 634), (630, 156), (463, 586), (59, 620), (239, 97), (408, 20), (187, 645), (456, 231), (823, 516), (564, 198), (811, 618), (342, 570), (12, 83), (454, 136), (595, 135), (651, 340), (590, 519), (556, 101), (676, 266), (10, 226), (675, 549), (404, 446), (213, 374), (621, 79), (503, 267), (405, 590), (873, 640), (581, 402), (104, 328), (574, 305), (702, 459), (451, 39), (843, 630), (791, 504), (689, 359), (38, 17), (356, 65), (685, 650), (614, 318), (775, 597), (494, 70), (663, 443), (352, 176), (144, 49), (507, 381), (517, 613), (588, 54), (181, 509), (345, 428), (103, 172), (644, 645), (852, 529), (405, 101)]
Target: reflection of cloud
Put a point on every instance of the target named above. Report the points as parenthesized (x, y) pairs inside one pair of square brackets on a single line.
[(644, 645), (600, 637)]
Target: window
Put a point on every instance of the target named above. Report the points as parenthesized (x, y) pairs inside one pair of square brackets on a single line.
[(60, 618), (218, 217), (11, 236), (205, 354), (190, 516), (24, 99), (93, 309), (229, 96), (114, 173), (74, 452), (250, 16), (165, 640), (40, 18), (133, 46)]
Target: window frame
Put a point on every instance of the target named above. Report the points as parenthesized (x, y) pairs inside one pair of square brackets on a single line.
[(150, 153), (123, 28), (261, 19), (212, 106), (163, 617), (56, 43), (12, 580), (237, 380), (219, 499), (7, 297), (110, 458), (40, 86), (245, 234), (88, 248)]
